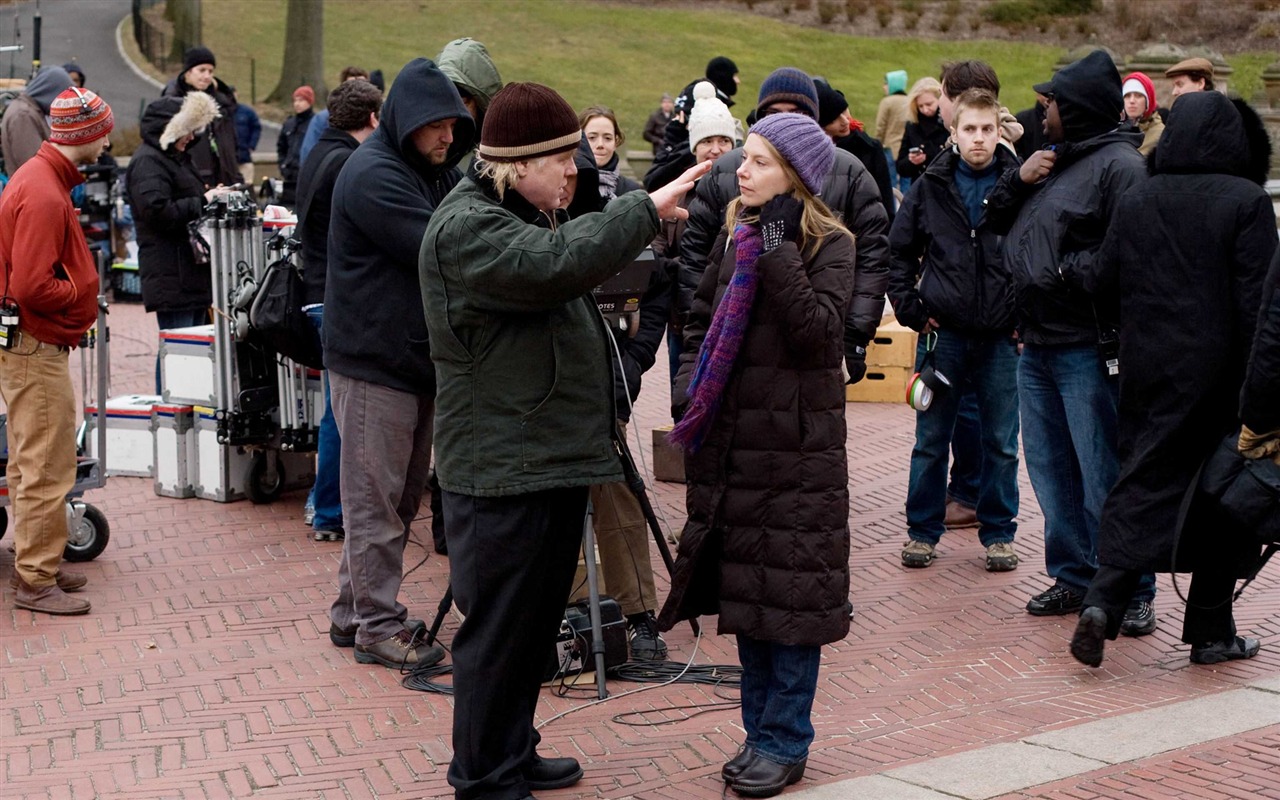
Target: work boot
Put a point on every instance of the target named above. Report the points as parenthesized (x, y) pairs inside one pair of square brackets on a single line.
[(49, 600), (1001, 557), (918, 554), (551, 773), (959, 515), (67, 581), (402, 650), (346, 637)]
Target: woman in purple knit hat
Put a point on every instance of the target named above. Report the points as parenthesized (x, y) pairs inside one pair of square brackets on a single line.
[(766, 545)]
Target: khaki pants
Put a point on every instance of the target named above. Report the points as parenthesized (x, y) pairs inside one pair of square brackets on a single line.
[(622, 537), (246, 172), (36, 385)]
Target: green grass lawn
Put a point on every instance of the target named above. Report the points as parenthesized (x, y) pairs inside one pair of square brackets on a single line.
[(623, 56)]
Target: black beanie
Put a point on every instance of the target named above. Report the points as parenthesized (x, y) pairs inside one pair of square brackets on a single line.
[(720, 71), (831, 103), (197, 56), (528, 120), (1088, 96)]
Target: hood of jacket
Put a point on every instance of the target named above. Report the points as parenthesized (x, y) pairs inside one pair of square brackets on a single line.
[(156, 117), (896, 81), (45, 87), (586, 195), (467, 63), (1207, 133), (422, 94), (1088, 96)]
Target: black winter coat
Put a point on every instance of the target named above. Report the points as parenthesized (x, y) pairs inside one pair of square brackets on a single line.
[(930, 135), (1260, 400), (318, 177), (289, 152), (766, 544), (374, 328), (1189, 262), (871, 153), (1055, 229), (962, 281), (165, 194), (214, 153), (849, 192)]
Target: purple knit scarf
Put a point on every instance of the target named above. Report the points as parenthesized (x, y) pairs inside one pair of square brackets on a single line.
[(720, 348)]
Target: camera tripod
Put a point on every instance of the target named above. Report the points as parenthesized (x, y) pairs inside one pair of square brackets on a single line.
[(635, 483)]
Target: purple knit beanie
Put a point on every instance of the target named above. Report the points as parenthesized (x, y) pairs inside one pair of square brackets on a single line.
[(805, 146), (789, 85)]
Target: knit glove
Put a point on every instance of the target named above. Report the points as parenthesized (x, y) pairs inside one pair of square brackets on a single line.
[(780, 221), (855, 357)]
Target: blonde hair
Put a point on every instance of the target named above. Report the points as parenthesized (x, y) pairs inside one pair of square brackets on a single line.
[(817, 222), (913, 99), (503, 174)]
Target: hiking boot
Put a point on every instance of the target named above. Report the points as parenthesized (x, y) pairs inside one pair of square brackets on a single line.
[(402, 650), (346, 637), (330, 534), (1056, 600), (918, 554), (66, 581), (49, 600), (1229, 650), (959, 515), (1090, 638), (1139, 618), (646, 643), (1001, 557)]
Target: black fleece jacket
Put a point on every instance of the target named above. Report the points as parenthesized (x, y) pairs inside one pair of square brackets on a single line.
[(374, 328), (318, 177)]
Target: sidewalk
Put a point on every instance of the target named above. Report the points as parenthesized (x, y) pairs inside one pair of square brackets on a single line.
[(204, 669)]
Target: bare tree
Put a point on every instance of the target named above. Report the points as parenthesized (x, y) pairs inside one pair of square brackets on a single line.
[(186, 19), (303, 51)]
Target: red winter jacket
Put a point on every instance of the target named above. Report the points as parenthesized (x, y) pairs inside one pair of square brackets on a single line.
[(45, 264)]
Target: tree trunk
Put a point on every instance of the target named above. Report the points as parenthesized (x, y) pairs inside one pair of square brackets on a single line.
[(186, 18), (303, 51)]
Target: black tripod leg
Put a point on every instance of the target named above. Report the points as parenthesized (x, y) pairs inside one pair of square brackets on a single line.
[(441, 610)]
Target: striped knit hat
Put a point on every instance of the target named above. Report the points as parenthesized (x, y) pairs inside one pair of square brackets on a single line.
[(78, 116), (525, 121)]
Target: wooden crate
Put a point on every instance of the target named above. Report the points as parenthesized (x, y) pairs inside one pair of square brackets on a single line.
[(880, 385), (894, 345), (668, 460)]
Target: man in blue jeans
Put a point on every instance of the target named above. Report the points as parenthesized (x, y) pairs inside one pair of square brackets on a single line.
[(947, 281), (1059, 206)]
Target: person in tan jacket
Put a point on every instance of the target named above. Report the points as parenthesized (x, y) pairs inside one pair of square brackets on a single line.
[(25, 124), (891, 118)]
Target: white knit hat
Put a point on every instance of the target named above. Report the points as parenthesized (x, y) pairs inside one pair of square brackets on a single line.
[(710, 116)]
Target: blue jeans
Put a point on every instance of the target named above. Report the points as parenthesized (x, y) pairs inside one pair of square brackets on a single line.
[(990, 365), (779, 682), (1070, 419), (966, 450), (326, 496), (674, 344), (168, 320), (892, 159)]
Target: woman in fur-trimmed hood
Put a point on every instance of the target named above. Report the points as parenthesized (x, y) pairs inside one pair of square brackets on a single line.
[(166, 193)]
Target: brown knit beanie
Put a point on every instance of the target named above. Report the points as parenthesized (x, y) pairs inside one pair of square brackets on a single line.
[(525, 121)]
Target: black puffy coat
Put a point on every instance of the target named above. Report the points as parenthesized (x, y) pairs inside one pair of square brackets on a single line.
[(214, 153), (850, 193), (1260, 400), (766, 544), (962, 281), (1189, 262), (930, 135), (165, 194), (374, 328), (870, 152)]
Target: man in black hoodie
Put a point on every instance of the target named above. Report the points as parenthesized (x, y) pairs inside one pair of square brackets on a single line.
[(377, 354), (1057, 208)]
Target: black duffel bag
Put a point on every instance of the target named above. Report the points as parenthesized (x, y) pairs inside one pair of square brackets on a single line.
[(277, 315)]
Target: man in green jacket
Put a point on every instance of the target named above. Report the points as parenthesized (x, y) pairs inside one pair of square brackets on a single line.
[(524, 416)]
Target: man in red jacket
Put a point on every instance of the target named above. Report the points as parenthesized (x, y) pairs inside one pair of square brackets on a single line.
[(50, 276)]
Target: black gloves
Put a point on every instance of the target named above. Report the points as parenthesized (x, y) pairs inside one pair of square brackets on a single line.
[(855, 356), (780, 221)]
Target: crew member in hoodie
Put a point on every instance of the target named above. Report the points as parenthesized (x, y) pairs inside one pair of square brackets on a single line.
[(375, 347), (1056, 209), (25, 125)]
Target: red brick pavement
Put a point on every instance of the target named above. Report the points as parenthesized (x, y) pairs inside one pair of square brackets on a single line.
[(204, 672)]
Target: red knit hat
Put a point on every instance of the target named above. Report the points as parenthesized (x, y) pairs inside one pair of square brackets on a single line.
[(528, 120), (78, 116), (1139, 82), (306, 93)]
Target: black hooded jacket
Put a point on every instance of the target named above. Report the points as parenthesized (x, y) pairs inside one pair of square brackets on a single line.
[(318, 177), (214, 152), (1260, 400), (166, 193), (374, 328), (1189, 265), (930, 135)]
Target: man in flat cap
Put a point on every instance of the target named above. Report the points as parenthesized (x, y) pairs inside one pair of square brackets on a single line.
[(1191, 75)]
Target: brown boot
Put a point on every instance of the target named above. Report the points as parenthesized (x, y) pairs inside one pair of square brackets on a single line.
[(49, 600), (67, 581)]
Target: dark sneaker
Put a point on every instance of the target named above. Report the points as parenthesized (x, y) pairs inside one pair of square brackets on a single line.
[(918, 554), (1090, 638), (1139, 618), (330, 534), (551, 773), (1056, 600), (646, 643), (49, 600), (959, 515), (403, 650), (1001, 557), (1229, 650), (346, 637), (66, 581)]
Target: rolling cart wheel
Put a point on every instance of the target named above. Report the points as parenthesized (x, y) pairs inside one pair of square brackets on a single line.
[(89, 539), (264, 482)]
